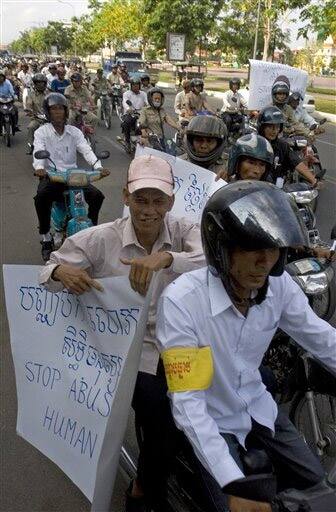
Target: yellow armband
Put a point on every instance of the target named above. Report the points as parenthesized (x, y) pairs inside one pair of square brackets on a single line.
[(188, 369)]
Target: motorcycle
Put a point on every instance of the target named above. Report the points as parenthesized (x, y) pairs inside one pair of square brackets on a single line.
[(105, 107), (71, 215), (86, 129), (117, 93), (135, 135), (170, 146), (7, 119)]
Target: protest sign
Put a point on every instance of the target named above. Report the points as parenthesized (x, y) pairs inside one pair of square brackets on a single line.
[(262, 77), (76, 361), (193, 185)]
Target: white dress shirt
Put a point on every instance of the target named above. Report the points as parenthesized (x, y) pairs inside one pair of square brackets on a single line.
[(196, 311), (232, 106), (302, 116), (63, 148), (25, 78), (138, 100), (99, 249)]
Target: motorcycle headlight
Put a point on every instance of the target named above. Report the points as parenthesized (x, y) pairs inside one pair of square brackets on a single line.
[(301, 143), (313, 284), (304, 196), (77, 179)]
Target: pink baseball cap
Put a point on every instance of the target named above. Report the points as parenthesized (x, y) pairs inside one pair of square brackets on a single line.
[(149, 171)]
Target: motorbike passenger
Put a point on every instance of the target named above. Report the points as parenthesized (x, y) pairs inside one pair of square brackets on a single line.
[(180, 100), (35, 107), (26, 80), (145, 83), (280, 95), (233, 104), (251, 158), (153, 117), (295, 101), (123, 74), (7, 91), (62, 141), (99, 84), (270, 125), (195, 99), (150, 244), (218, 322), (205, 140), (60, 83), (114, 77), (79, 97), (138, 100)]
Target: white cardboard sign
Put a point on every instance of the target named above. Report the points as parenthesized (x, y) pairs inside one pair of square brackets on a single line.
[(76, 361), (262, 77), (193, 185)]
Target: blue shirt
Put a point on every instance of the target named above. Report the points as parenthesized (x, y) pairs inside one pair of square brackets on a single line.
[(6, 89), (59, 85)]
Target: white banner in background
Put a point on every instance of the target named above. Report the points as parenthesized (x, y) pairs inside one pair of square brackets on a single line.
[(262, 77), (193, 185), (76, 361)]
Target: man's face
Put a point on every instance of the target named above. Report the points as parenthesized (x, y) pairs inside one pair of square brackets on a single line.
[(271, 131), (198, 89), (281, 97), (204, 145), (53, 70), (115, 71), (77, 84), (99, 75), (41, 86), (61, 73), (57, 114), (2, 79), (25, 68), (148, 207), (136, 88), (294, 104), (250, 269), (234, 87), (251, 169)]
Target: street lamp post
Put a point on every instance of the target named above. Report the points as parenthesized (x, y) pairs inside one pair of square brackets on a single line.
[(74, 15)]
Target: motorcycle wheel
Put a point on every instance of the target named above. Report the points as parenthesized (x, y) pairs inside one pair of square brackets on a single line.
[(326, 415), (324, 305), (119, 113), (107, 118), (8, 134)]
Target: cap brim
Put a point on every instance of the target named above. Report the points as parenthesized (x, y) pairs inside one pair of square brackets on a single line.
[(165, 187)]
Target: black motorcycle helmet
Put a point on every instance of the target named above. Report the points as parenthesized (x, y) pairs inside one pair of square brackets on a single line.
[(196, 82), (250, 146), (76, 77), (134, 81), (277, 88), (294, 99), (206, 126), (150, 93), (251, 215), (40, 78), (234, 81), (145, 78), (55, 98), (270, 115)]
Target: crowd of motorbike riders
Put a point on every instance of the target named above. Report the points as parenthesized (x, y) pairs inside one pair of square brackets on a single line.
[(246, 292)]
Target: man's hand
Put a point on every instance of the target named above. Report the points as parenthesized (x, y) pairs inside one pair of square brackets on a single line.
[(75, 279), (142, 269), (104, 172), (222, 174), (241, 505), (40, 173)]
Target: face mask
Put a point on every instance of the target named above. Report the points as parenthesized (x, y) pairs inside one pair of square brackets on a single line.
[(157, 104)]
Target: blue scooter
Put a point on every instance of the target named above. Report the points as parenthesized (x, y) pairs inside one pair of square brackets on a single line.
[(71, 215)]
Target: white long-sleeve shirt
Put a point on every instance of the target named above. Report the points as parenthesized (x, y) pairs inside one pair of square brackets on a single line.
[(25, 78), (63, 148), (196, 311), (302, 116), (233, 106), (138, 100)]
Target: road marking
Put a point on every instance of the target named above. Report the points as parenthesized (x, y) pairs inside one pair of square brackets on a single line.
[(331, 179), (325, 142)]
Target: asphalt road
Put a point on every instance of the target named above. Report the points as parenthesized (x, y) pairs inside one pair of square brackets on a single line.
[(30, 482)]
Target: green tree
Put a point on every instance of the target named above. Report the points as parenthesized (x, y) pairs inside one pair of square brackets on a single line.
[(332, 64), (22, 44), (321, 18)]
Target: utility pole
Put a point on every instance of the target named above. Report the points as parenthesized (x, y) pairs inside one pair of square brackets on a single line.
[(256, 32)]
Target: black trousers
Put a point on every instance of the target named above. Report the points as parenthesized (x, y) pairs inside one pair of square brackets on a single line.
[(128, 124), (160, 436), (48, 192), (294, 463)]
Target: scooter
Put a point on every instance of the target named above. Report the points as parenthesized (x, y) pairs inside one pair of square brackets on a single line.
[(105, 107), (7, 119), (135, 135), (71, 216), (117, 93), (86, 129)]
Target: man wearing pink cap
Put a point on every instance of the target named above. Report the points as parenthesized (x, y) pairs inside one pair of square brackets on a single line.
[(148, 245)]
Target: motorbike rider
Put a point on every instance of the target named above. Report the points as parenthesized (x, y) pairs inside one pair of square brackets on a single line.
[(35, 107), (138, 100), (79, 97), (52, 73), (114, 77), (145, 83), (153, 117), (7, 91), (205, 140), (280, 95), (195, 99), (150, 244), (99, 84), (26, 80), (216, 323), (62, 141), (60, 83), (233, 104), (295, 101), (180, 100), (270, 125), (123, 74)]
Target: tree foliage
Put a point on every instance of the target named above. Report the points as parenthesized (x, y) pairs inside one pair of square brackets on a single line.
[(321, 18)]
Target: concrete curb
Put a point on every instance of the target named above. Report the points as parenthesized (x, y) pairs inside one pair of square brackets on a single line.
[(330, 117)]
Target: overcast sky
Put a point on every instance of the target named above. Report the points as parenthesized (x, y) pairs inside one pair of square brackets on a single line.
[(19, 15)]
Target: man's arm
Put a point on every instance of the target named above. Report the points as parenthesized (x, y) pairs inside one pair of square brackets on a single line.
[(178, 104), (304, 326), (175, 329), (40, 145), (191, 256), (84, 148)]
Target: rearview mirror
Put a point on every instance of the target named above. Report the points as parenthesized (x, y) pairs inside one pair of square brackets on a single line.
[(103, 155), (129, 103), (42, 155)]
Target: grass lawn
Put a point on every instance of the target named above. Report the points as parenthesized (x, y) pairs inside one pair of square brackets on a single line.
[(326, 105)]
